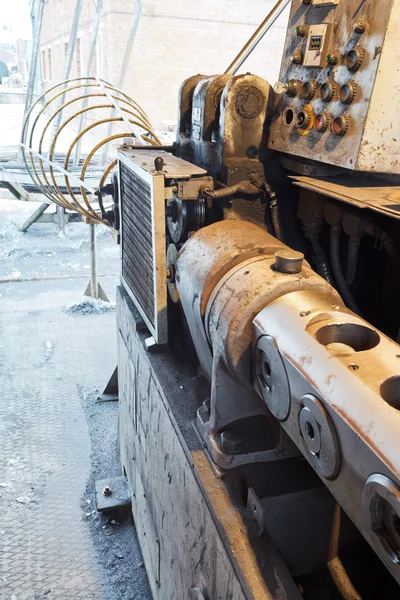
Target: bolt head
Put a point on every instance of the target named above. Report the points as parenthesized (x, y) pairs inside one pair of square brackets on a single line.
[(107, 491), (288, 261), (231, 442)]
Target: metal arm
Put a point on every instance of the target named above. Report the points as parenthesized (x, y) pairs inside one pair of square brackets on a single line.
[(257, 36)]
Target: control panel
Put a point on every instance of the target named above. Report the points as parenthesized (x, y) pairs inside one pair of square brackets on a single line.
[(339, 85)]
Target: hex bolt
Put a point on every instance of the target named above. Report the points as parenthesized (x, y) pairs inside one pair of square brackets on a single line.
[(107, 491), (231, 442), (288, 261)]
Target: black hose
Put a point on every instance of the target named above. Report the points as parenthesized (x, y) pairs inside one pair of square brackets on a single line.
[(274, 211), (311, 231), (337, 269), (352, 258)]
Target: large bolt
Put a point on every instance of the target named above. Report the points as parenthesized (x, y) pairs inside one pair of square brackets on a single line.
[(231, 442), (288, 261)]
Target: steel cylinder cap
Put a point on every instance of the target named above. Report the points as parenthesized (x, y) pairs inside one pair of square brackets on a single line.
[(288, 261)]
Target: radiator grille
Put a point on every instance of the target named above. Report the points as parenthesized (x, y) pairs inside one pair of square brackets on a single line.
[(137, 239)]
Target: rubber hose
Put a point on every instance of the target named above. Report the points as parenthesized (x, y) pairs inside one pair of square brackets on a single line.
[(321, 262), (337, 269), (352, 258), (243, 187)]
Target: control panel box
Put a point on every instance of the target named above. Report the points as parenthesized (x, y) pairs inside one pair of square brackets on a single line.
[(339, 85)]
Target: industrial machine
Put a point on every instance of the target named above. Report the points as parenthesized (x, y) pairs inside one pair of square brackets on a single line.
[(259, 370)]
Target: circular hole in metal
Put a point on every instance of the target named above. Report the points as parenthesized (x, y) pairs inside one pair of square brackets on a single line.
[(358, 337), (390, 391), (288, 116), (309, 430), (266, 369)]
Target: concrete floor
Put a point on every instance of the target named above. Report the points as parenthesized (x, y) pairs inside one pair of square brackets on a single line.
[(55, 439)]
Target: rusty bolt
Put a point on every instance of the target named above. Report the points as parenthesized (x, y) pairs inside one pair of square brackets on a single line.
[(231, 442), (107, 491)]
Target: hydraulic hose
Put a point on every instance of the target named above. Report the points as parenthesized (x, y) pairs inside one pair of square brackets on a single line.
[(243, 187), (337, 269), (311, 231), (273, 207), (352, 258)]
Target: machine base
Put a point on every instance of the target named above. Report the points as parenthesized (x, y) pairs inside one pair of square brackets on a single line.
[(196, 542)]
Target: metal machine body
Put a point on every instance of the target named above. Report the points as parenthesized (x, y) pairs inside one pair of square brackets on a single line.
[(338, 85), (260, 419)]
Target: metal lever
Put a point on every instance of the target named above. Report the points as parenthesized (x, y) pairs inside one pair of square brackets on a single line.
[(257, 36)]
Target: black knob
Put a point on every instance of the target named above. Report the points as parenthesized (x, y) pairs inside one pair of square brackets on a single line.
[(159, 163)]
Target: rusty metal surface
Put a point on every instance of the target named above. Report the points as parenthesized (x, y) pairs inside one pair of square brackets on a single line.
[(204, 260), (194, 542), (371, 141), (350, 370), (358, 191)]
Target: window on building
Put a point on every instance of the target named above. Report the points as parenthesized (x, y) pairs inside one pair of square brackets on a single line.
[(44, 65), (78, 58), (50, 64)]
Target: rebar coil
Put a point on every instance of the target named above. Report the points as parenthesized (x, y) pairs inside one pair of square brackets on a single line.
[(90, 93)]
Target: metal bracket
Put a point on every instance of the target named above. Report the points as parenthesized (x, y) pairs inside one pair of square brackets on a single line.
[(111, 494)]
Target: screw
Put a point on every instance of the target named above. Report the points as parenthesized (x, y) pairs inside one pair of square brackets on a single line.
[(354, 367), (107, 491), (305, 313)]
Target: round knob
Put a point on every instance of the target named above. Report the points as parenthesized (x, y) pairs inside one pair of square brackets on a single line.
[(296, 58), (354, 58), (309, 89), (159, 163), (322, 121), (293, 87), (288, 261), (340, 125), (304, 117), (301, 30), (348, 92), (327, 91)]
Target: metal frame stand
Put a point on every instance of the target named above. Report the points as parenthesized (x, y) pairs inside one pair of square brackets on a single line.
[(60, 218), (94, 289)]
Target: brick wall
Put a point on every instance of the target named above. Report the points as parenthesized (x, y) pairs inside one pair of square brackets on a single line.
[(175, 39)]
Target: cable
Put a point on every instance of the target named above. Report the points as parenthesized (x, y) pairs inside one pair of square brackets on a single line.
[(337, 269)]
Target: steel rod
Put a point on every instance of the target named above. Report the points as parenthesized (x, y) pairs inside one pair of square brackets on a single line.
[(257, 36), (34, 217), (94, 287)]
